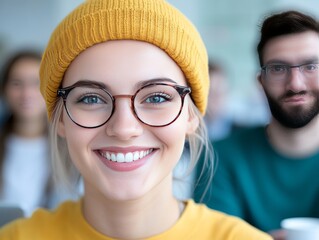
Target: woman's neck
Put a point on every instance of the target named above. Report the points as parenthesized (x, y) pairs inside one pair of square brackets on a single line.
[(147, 216)]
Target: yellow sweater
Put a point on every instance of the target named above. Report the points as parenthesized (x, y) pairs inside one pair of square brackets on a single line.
[(67, 223)]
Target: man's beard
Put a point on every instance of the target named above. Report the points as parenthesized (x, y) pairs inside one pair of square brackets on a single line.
[(295, 117)]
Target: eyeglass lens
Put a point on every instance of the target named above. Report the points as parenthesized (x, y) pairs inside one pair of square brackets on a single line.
[(154, 105), (280, 72)]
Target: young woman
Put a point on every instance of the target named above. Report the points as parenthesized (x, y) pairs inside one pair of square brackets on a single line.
[(125, 83), (24, 149)]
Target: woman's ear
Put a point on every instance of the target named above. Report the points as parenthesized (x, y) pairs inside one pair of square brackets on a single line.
[(192, 123), (61, 128)]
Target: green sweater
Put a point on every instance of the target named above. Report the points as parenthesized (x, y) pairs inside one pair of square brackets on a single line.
[(255, 182)]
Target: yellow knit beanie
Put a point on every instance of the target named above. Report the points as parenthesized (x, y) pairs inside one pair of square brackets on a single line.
[(152, 21)]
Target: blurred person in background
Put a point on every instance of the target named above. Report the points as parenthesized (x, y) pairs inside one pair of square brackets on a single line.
[(218, 119), (219, 124), (267, 174), (24, 150)]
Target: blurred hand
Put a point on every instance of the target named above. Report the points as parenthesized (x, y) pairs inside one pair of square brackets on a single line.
[(278, 234)]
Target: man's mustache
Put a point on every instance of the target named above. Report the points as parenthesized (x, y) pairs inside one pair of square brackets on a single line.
[(290, 94)]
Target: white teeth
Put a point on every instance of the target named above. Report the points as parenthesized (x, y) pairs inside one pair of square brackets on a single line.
[(113, 157), (136, 156), (128, 157), (120, 157)]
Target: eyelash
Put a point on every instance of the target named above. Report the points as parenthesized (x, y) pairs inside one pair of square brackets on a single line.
[(88, 95), (164, 95)]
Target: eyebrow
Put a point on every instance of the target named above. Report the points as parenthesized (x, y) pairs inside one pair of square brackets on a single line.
[(137, 86), (153, 80), (86, 82)]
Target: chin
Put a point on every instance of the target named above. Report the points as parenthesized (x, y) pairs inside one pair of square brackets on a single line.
[(125, 189), (124, 195)]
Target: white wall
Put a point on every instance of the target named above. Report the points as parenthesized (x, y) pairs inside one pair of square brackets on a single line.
[(30, 23)]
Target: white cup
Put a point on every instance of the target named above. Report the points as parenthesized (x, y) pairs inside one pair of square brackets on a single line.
[(301, 228)]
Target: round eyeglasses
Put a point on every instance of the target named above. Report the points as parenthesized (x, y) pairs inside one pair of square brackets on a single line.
[(89, 105), (281, 72)]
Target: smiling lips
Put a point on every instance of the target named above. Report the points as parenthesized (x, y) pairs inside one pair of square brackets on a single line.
[(125, 161), (125, 157)]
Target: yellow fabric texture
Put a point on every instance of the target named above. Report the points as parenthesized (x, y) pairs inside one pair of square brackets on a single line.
[(196, 223), (153, 21)]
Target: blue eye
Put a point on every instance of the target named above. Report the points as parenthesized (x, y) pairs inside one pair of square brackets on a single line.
[(91, 99), (158, 98)]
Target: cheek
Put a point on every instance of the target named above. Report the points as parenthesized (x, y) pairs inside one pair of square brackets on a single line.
[(12, 95), (314, 86), (173, 136), (78, 139), (172, 145), (39, 97), (273, 91), (80, 152)]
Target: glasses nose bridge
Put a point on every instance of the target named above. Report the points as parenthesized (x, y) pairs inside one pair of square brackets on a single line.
[(295, 78), (298, 67), (299, 70), (131, 97)]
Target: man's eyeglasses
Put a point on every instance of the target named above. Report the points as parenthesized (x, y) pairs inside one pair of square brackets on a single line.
[(280, 72), (90, 106)]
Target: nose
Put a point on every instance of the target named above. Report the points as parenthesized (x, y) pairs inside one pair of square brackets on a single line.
[(296, 81), (123, 123)]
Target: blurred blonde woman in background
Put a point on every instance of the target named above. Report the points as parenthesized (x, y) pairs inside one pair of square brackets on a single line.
[(24, 149)]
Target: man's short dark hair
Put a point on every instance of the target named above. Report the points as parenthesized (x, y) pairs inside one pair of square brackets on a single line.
[(284, 23)]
